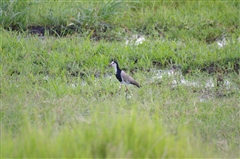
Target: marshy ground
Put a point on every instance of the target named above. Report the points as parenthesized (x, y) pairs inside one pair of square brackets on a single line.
[(59, 98)]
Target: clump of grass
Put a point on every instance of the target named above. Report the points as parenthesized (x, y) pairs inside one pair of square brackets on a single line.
[(97, 16), (114, 136), (14, 14), (62, 19)]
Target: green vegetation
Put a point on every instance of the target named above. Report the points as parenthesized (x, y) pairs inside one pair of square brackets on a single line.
[(186, 20), (58, 100)]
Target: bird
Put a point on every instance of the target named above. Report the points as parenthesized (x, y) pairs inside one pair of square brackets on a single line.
[(123, 77)]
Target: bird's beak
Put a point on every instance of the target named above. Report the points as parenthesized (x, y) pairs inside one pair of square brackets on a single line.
[(109, 65)]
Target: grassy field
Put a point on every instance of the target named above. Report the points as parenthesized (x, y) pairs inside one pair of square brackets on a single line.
[(59, 98)]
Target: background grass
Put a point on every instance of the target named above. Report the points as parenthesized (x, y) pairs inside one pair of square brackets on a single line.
[(72, 55), (204, 21), (58, 98)]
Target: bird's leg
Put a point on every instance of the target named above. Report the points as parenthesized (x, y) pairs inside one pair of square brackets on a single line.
[(126, 88), (120, 87)]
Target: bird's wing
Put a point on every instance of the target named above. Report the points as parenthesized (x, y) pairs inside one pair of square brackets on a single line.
[(129, 79)]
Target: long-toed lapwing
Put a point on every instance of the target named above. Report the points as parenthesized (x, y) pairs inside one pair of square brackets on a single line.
[(122, 76)]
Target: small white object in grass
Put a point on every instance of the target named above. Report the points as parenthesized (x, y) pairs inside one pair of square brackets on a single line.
[(135, 40), (128, 96), (203, 100), (70, 24), (140, 40), (222, 43), (209, 83), (45, 78), (227, 83), (74, 85), (83, 83)]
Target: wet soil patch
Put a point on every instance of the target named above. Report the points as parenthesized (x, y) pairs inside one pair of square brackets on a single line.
[(53, 31), (222, 66), (102, 31)]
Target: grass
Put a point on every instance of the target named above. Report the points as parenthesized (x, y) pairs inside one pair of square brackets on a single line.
[(204, 21), (53, 56), (103, 139), (96, 121), (59, 100)]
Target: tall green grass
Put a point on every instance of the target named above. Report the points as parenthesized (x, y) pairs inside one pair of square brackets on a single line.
[(58, 99), (204, 21), (103, 137)]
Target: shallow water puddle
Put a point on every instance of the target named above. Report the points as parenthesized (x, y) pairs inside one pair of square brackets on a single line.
[(207, 86), (178, 79), (174, 76)]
